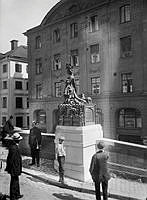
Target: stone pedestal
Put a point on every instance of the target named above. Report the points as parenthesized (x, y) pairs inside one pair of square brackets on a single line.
[(80, 146)]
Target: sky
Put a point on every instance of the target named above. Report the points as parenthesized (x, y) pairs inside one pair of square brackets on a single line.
[(18, 16)]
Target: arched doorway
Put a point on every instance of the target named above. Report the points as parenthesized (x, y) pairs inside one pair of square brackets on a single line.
[(40, 116)]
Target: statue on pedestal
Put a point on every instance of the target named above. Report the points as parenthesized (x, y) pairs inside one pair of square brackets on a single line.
[(72, 110)]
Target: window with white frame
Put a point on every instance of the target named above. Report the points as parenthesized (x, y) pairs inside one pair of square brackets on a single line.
[(56, 35), (18, 68), (127, 82), (5, 68), (95, 85), (126, 46), (58, 89), (38, 42), (95, 53), (4, 102), (93, 23), (38, 66), (5, 85), (57, 62), (39, 91), (125, 14), (74, 58), (73, 30)]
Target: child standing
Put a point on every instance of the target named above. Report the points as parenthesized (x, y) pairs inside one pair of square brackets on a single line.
[(61, 158)]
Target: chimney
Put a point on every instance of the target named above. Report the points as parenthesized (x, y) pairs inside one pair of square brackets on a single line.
[(14, 44)]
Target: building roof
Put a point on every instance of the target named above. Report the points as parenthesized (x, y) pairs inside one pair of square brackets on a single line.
[(67, 8), (18, 53)]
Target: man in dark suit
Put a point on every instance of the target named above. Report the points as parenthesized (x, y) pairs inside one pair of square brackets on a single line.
[(99, 171), (35, 139), (14, 166)]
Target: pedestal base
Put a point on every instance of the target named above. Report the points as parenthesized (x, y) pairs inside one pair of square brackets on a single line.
[(80, 146)]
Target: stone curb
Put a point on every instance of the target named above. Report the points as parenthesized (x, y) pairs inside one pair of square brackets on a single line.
[(75, 188)]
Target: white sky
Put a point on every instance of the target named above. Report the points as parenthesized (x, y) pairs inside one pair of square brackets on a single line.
[(17, 16)]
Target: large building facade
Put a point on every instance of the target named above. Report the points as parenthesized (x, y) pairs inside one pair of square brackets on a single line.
[(14, 86), (106, 42)]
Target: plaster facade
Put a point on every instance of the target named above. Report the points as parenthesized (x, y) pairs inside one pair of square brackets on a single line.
[(14, 86), (117, 21)]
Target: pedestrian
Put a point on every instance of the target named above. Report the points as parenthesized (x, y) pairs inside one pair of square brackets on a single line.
[(35, 139), (7, 130), (99, 171), (14, 166), (60, 152)]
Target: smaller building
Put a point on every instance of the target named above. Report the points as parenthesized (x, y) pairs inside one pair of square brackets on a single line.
[(14, 85)]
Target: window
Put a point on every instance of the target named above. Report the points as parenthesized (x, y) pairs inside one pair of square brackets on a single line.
[(125, 15), (93, 24), (27, 102), (19, 103), (41, 117), (27, 85), (74, 59), (57, 62), (4, 120), (5, 68), (95, 85), (56, 36), (58, 89), (127, 85), (98, 116), (77, 84), (5, 85), (38, 42), (28, 121), (129, 118), (38, 91), (4, 102), (18, 85), (74, 30), (38, 66), (125, 46), (18, 68), (27, 69), (95, 53)]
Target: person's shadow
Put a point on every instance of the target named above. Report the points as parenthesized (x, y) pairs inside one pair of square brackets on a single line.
[(66, 196)]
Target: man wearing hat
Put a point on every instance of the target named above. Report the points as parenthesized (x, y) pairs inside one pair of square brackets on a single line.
[(60, 151), (35, 139), (99, 171), (14, 166)]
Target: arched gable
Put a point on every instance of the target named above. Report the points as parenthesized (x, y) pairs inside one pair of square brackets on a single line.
[(66, 8)]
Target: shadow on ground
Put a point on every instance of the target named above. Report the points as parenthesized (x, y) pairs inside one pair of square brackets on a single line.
[(66, 196)]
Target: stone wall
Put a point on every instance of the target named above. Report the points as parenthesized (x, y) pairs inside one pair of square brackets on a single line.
[(127, 157)]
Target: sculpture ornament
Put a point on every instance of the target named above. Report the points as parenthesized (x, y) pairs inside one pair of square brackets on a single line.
[(73, 105)]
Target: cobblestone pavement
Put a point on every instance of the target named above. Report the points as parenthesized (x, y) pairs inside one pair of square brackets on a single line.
[(33, 189)]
